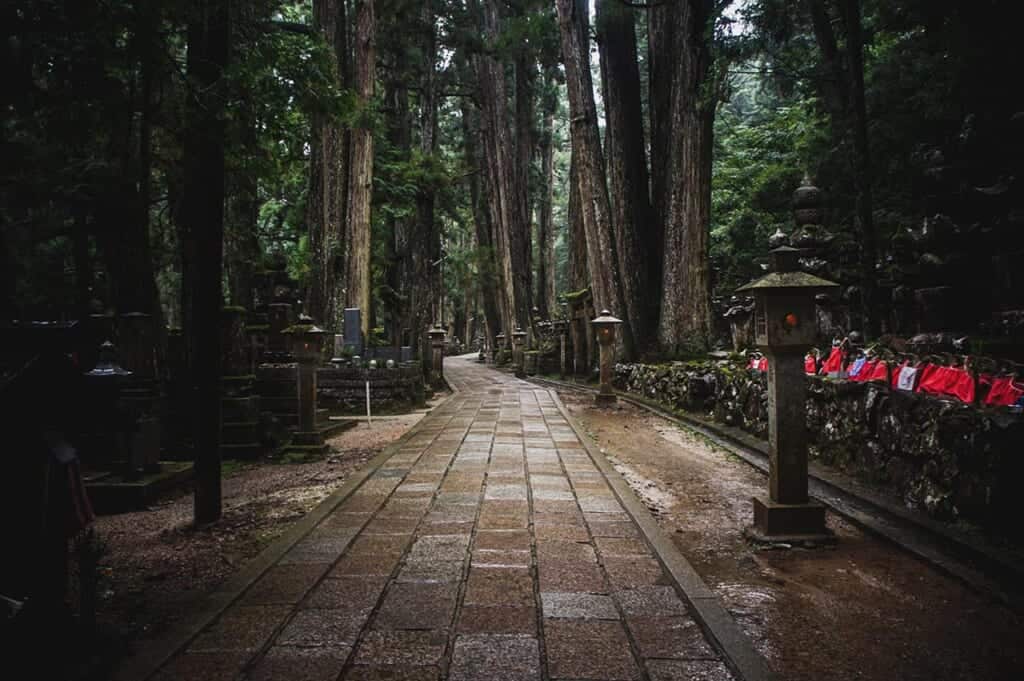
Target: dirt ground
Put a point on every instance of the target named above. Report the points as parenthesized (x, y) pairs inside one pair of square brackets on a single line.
[(156, 566), (863, 609)]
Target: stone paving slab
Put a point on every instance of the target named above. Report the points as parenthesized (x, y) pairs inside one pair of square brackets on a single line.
[(488, 546)]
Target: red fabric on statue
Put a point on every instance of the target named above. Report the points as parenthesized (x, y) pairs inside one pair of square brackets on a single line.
[(865, 372), (896, 374), (880, 372), (933, 379), (810, 365), (961, 385), (762, 364), (834, 363), (1003, 393)]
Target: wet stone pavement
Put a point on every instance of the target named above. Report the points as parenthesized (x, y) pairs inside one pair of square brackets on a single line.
[(487, 547)]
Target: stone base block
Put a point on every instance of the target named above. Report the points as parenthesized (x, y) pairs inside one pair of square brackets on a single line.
[(790, 523), (308, 442), (605, 398)]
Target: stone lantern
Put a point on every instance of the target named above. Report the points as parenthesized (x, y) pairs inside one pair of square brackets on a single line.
[(784, 328), (518, 338), (437, 335), (499, 349), (605, 327), (307, 346)]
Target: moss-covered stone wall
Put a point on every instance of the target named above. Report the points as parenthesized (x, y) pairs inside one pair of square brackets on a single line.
[(949, 459)]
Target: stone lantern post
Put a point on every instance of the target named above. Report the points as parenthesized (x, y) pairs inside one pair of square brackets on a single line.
[(437, 356), (605, 327), (307, 346), (499, 349), (784, 328), (518, 338)]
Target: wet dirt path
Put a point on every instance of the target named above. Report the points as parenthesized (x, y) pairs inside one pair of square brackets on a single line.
[(861, 610)]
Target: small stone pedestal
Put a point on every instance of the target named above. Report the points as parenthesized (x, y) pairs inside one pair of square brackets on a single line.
[(307, 346)]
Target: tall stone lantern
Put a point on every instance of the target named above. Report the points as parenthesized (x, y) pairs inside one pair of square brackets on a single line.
[(784, 328), (306, 343), (437, 335), (605, 326), (518, 339)]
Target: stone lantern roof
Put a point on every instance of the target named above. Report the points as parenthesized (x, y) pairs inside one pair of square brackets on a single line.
[(784, 274)]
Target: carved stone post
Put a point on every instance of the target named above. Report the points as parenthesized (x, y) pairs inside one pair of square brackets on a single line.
[(605, 327)]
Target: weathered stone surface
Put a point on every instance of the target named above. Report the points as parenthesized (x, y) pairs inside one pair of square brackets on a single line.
[(939, 455)]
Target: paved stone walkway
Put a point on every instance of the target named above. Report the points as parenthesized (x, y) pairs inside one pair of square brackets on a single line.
[(488, 547)]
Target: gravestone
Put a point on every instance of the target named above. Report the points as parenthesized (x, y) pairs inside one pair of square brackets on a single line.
[(353, 330), (406, 353)]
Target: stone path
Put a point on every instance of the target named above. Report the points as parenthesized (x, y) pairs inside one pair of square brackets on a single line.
[(488, 547)]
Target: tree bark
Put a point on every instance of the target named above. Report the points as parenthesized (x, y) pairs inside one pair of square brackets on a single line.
[(208, 40), (328, 182), (360, 186), (428, 306), (660, 56), (522, 232), (545, 299), (686, 281), (481, 220), (499, 155), (639, 256), (602, 261), (862, 163)]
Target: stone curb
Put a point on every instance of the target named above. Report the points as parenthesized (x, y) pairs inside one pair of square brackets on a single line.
[(862, 510), (737, 650), (152, 655)]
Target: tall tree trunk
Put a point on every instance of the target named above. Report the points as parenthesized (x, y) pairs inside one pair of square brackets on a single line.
[(639, 257), (522, 232), (499, 155), (843, 91), (328, 181), (602, 261), (686, 283), (545, 299), (475, 175), (208, 42), (360, 188), (862, 163), (660, 63), (241, 246), (404, 253), (579, 274), (429, 236)]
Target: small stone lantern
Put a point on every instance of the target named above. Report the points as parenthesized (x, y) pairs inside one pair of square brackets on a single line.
[(499, 349), (437, 335), (605, 327), (784, 328), (518, 338), (306, 343)]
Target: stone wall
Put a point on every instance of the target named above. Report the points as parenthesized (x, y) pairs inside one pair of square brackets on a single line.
[(949, 459), (345, 388)]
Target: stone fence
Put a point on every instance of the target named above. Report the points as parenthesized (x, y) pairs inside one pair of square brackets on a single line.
[(949, 459), (345, 388)]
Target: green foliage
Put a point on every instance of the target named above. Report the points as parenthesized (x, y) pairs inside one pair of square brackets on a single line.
[(762, 149)]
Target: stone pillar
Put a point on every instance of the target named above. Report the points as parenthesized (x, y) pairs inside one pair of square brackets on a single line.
[(605, 327), (518, 340), (234, 342), (561, 352), (307, 347), (137, 342), (141, 391), (784, 328), (279, 318), (437, 335)]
